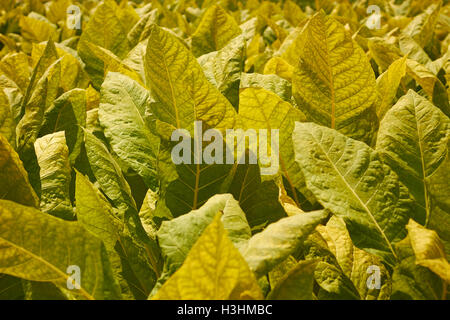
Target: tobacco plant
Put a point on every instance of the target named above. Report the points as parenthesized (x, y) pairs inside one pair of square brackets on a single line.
[(93, 205)]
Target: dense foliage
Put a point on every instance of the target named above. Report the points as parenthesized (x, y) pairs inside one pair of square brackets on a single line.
[(93, 207)]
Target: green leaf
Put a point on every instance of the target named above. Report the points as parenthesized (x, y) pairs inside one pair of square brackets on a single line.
[(215, 30), (279, 240), (108, 173), (430, 84), (72, 70), (11, 288), (179, 86), (297, 283), (350, 179), (223, 68), (172, 238), (262, 109), (53, 159), (34, 27), (122, 113), (333, 283), (334, 84), (413, 139), (355, 263), (440, 203), (61, 244), (258, 199), (411, 281), (128, 258), (67, 113), (213, 270), (195, 184), (95, 213)]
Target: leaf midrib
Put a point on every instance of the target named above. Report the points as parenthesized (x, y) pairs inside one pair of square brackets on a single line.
[(377, 226), (47, 263)]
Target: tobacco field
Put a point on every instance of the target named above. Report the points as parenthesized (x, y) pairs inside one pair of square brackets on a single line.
[(93, 205)]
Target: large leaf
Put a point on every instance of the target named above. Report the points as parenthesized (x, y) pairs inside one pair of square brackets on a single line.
[(61, 244), (7, 122), (412, 281), (350, 179), (262, 109), (108, 173), (213, 270), (122, 113), (414, 139), (53, 159), (178, 84), (195, 184), (334, 84), (128, 258), (279, 240)]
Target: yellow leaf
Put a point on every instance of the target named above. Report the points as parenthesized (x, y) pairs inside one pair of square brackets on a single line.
[(213, 270), (292, 12), (180, 87), (334, 84), (387, 85), (215, 30), (37, 30), (92, 98), (14, 183), (280, 67), (428, 249)]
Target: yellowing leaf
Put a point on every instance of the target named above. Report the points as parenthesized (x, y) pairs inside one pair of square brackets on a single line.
[(71, 66), (14, 183), (280, 67), (334, 84), (53, 159), (262, 109), (215, 30), (429, 250), (213, 270), (347, 176), (7, 122), (413, 139), (179, 86), (387, 85), (107, 28), (16, 67), (39, 247), (293, 13), (421, 28), (37, 29)]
